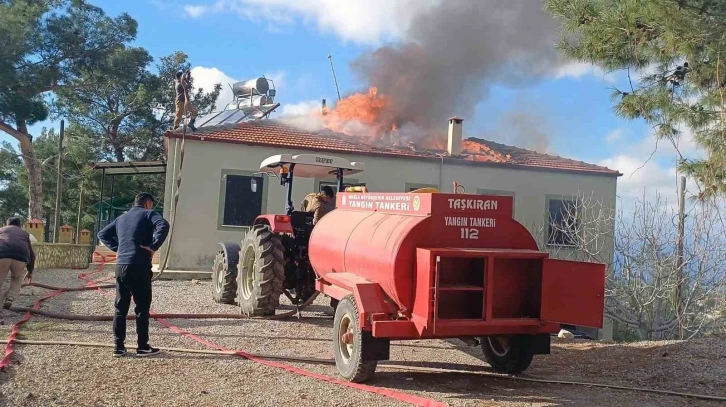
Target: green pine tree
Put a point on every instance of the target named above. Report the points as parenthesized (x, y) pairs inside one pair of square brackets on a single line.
[(680, 46)]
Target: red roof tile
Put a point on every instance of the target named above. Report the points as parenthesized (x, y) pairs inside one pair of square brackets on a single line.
[(275, 133)]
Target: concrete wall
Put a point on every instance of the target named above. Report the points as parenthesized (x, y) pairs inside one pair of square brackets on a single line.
[(205, 164), (56, 256)]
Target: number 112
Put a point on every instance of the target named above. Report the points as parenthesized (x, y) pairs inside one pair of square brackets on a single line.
[(469, 233)]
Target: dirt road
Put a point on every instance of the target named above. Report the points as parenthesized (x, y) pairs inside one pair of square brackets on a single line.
[(72, 376)]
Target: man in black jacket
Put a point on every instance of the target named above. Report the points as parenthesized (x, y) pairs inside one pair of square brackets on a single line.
[(135, 236), (15, 253)]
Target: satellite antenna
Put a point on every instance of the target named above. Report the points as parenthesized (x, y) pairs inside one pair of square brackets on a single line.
[(330, 57)]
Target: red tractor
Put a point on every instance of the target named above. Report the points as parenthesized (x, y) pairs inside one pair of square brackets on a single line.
[(272, 259)]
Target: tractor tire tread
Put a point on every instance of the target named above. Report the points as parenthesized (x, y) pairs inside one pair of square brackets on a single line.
[(228, 274), (270, 273)]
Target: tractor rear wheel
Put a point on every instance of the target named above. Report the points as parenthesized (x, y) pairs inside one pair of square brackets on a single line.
[(508, 354), (261, 272), (348, 343), (224, 273)]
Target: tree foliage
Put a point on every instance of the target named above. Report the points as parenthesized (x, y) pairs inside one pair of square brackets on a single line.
[(44, 45), (678, 46), (127, 106)]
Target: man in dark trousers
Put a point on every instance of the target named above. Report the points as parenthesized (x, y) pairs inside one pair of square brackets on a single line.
[(135, 236)]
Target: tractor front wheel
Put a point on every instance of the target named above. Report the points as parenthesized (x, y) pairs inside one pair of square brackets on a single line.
[(348, 343), (261, 272), (224, 273), (508, 354)]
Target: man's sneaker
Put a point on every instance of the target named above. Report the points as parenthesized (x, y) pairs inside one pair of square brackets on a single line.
[(8, 303), (147, 352), (118, 352)]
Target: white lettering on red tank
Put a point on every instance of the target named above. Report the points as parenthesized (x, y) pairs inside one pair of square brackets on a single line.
[(473, 204), (361, 204), (392, 206), (483, 222), (455, 221)]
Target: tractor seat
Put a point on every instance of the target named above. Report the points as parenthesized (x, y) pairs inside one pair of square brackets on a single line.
[(301, 221)]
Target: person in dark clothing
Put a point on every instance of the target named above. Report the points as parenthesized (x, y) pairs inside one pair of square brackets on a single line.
[(135, 236), (16, 253)]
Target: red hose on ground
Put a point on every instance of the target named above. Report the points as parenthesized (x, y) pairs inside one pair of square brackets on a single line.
[(90, 284), (5, 362), (405, 397)]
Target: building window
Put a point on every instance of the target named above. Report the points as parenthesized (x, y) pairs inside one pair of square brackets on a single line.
[(494, 192), (563, 223), (241, 205), (334, 185)]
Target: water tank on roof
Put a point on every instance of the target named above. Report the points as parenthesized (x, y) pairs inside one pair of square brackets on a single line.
[(252, 86)]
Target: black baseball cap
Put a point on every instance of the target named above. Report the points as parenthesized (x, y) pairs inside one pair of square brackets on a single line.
[(142, 197)]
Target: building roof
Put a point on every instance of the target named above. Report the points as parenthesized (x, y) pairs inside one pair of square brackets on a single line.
[(476, 151), (130, 167)]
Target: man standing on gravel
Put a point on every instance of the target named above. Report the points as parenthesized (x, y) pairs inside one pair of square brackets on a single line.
[(135, 236), (15, 253)]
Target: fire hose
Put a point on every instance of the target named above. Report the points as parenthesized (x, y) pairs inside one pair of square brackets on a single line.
[(253, 356), (176, 179), (390, 366)]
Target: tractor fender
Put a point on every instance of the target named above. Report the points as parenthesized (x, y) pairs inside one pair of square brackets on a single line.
[(278, 223)]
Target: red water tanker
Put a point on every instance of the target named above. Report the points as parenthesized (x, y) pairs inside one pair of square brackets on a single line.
[(440, 265)]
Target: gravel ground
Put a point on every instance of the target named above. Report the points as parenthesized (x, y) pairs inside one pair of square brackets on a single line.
[(74, 376)]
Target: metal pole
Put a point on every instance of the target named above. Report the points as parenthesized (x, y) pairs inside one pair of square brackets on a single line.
[(679, 252), (59, 182), (100, 208), (330, 57), (78, 221), (110, 200)]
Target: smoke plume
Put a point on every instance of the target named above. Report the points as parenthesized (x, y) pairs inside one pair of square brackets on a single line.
[(455, 52), (523, 129)]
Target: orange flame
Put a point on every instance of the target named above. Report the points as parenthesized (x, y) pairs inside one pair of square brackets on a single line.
[(368, 113), (372, 116)]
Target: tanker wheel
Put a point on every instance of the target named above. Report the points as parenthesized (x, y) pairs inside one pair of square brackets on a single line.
[(224, 274), (348, 343), (261, 272), (508, 354)]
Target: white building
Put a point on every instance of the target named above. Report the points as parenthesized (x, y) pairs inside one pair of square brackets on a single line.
[(216, 203)]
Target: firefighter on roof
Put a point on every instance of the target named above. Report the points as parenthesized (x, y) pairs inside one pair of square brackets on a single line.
[(183, 84), (317, 203)]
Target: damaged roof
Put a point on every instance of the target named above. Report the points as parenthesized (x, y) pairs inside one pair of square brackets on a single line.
[(273, 132)]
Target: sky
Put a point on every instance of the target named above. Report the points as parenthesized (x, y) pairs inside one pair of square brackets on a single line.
[(289, 41)]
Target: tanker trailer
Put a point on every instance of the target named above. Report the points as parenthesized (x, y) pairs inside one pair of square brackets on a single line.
[(444, 265)]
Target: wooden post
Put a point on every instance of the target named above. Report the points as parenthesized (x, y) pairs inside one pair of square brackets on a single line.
[(59, 182)]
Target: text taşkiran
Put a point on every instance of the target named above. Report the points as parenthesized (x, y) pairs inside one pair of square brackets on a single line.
[(473, 204)]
